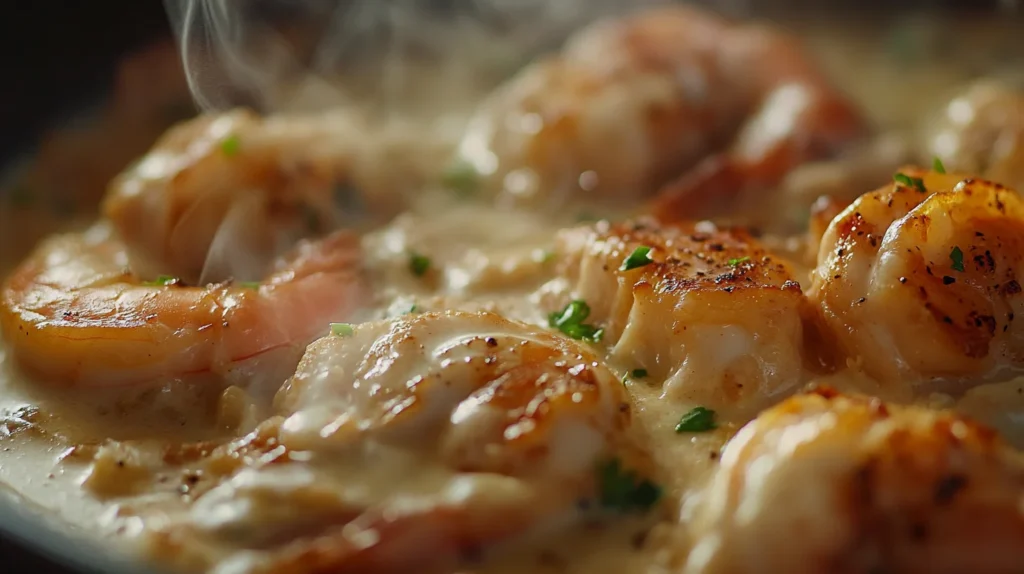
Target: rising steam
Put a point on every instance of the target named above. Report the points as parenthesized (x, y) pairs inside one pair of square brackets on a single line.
[(270, 54)]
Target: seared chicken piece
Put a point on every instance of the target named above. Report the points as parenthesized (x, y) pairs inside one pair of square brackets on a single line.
[(921, 280), (824, 483), (424, 438), (712, 313)]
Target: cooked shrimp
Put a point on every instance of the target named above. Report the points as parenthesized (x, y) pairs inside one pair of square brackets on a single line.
[(427, 437), (631, 103), (827, 483), (713, 314), (76, 314), (982, 133), (921, 280), (220, 197)]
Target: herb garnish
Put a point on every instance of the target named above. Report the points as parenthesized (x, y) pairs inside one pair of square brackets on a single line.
[(957, 257), (342, 329), (461, 176), (250, 284), (640, 257), (621, 489), (570, 321), (162, 281), (639, 373), (699, 419), (418, 264), (914, 182), (230, 145), (937, 165), (736, 261)]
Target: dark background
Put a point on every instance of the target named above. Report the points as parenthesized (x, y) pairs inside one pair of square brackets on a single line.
[(59, 56)]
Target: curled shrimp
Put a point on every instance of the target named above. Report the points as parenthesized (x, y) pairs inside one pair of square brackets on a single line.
[(981, 132), (707, 310), (425, 437), (831, 483), (75, 313), (221, 196), (632, 103), (921, 280)]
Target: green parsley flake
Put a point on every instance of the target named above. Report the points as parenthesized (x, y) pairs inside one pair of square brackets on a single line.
[(907, 181), (621, 489), (250, 284), (461, 177), (957, 257), (738, 260), (699, 419), (21, 196), (640, 257), (570, 321), (162, 281), (639, 373), (230, 145), (937, 166), (342, 330), (419, 264)]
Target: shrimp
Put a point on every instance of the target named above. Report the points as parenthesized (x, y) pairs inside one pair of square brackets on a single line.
[(222, 196), (982, 133), (921, 280), (426, 437), (632, 103), (832, 483), (75, 314), (708, 310)]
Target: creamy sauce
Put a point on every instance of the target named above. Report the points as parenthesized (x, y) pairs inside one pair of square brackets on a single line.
[(86, 456)]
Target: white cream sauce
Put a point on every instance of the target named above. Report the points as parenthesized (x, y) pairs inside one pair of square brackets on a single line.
[(481, 259)]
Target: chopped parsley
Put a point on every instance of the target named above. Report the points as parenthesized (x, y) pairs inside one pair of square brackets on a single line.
[(162, 281), (699, 419), (230, 145), (621, 489), (570, 321), (342, 329), (937, 166), (419, 264), (907, 181), (639, 373), (736, 261), (412, 309), (461, 177), (640, 257), (957, 257), (250, 284), (21, 196)]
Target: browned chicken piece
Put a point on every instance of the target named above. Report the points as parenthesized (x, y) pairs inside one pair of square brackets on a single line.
[(920, 280), (633, 102), (825, 483), (707, 310)]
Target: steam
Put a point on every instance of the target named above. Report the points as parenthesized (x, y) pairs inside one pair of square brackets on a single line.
[(276, 55)]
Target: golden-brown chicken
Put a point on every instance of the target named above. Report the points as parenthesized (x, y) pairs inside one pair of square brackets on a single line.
[(921, 279), (825, 483)]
